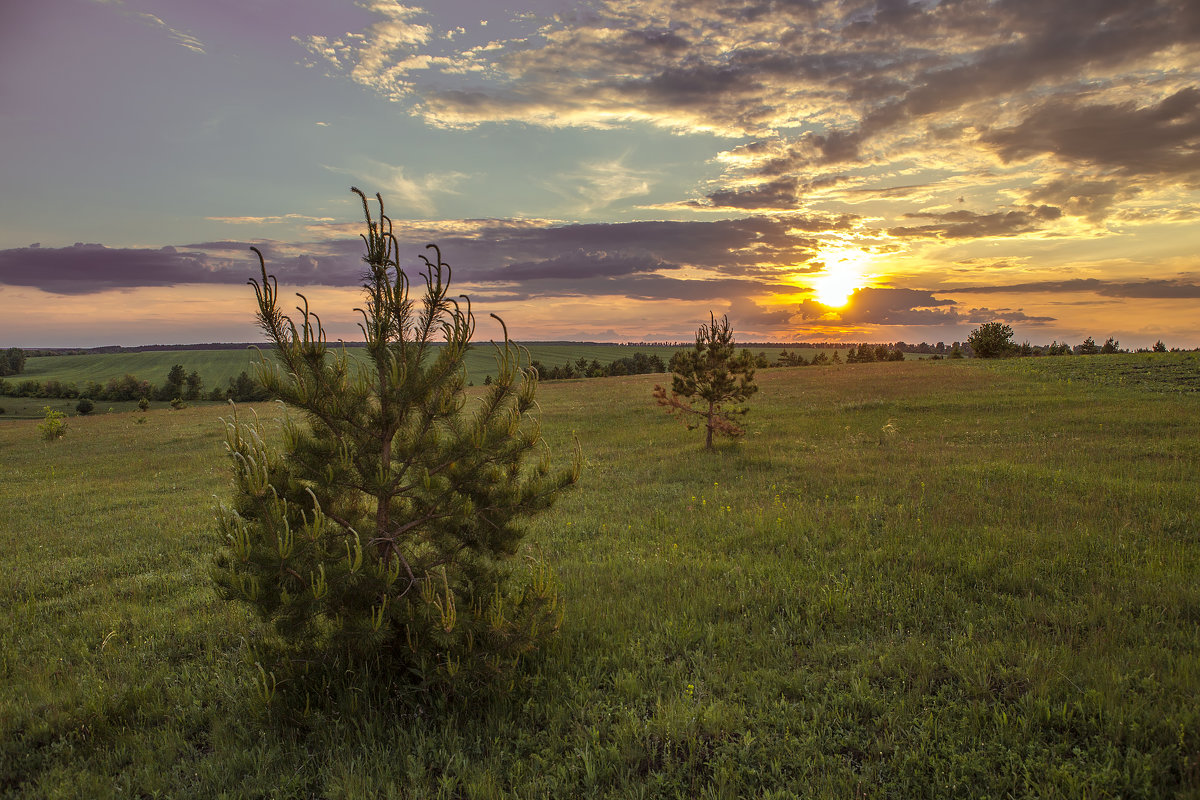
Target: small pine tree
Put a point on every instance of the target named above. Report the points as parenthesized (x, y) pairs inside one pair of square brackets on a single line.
[(382, 537), (712, 374)]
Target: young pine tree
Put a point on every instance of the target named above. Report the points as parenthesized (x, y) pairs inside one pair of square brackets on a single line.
[(710, 375), (382, 535)]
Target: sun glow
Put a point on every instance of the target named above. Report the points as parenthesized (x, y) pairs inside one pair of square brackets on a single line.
[(843, 275)]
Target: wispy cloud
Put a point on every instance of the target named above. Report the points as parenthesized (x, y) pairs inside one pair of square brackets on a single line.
[(180, 37), (411, 192), (271, 220), (381, 56), (598, 184)]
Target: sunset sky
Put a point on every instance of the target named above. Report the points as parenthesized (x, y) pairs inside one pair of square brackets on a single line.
[(609, 171)]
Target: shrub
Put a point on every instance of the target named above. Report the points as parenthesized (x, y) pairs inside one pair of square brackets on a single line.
[(244, 389), (711, 374), (381, 538), (12, 361), (84, 406), (126, 388), (992, 340), (52, 426), (177, 403), (144, 404), (194, 386), (790, 359)]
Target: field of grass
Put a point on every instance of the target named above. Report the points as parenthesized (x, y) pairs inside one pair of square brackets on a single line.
[(923, 579), (217, 367)]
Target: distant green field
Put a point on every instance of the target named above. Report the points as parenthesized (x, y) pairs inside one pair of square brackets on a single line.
[(952, 579), (216, 367)]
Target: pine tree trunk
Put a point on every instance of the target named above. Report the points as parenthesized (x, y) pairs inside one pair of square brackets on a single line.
[(709, 427)]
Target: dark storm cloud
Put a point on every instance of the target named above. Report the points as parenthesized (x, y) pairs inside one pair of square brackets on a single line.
[(91, 268), (575, 264), (1161, 139), (1150, 289), (968, 224), (734, 258), (725, 246), (87, 268)]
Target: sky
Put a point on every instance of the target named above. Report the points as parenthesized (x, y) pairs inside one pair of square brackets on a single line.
[(818, 170)]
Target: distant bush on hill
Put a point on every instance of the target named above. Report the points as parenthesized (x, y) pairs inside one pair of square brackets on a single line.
[(12, 361)]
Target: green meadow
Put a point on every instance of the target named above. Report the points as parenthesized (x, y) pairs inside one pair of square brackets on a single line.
[(909, 580), (217, 367)]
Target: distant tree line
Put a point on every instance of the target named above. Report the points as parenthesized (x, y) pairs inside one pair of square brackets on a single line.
[(179, 384), (145, 348), (994, 340), (637, 364)]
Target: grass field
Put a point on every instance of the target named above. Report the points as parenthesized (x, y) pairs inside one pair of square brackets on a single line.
[(216, 367), (923, 579)]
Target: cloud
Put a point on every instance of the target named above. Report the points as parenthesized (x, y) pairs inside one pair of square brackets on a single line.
[(825, 88), (782, 193), (901, 306), (1079, 196), (721, 259), (1153, 289), (399, 187), (1158, 140), (275, 220), (746, 314), (596, 185), (181, 38), (574, 265), (88, 268), (379, 57), (884, 306), (971, 225)]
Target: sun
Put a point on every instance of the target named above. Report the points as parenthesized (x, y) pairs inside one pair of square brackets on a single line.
[(843, 275)]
